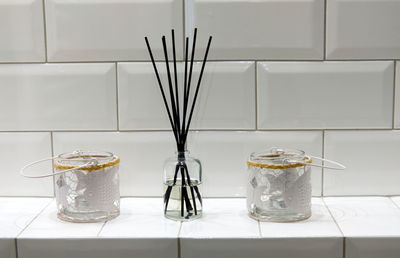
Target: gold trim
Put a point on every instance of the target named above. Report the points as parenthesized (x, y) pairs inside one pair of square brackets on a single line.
[(280, 166), (90, 168)]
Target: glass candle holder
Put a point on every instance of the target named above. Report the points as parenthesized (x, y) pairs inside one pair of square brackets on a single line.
[(87, 193), (279, 186), (182, 187)]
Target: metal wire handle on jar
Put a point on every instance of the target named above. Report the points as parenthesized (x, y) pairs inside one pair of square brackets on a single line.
[(91, 162), (339, 166)]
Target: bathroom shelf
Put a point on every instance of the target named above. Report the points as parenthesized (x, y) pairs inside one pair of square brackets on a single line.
[(350, 227)]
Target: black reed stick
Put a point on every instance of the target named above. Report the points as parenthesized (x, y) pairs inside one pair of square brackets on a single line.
[(180, 124)]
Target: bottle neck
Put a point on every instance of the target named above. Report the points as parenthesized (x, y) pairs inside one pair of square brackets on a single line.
[(182, 154)]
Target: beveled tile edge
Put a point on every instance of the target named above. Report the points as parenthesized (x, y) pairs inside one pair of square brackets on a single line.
[(179, 238)]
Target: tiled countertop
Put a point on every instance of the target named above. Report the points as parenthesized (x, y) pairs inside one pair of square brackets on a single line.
[(351, 227)]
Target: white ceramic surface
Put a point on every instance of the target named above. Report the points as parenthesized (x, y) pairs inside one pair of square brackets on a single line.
[(263, 29), (227, 231), (58, 97), (397, 97), (370, 158), (360, 29), (48, 226), (396, 200), (371, 225), (295, 237), (142, 218), (17, 150), (226, 98), (223, 156), (319, 225), (222, 218), (325, 95), (16, 214), (114, 31), (21, 31)]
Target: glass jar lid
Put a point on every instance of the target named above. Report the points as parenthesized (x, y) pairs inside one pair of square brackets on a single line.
[(279, 158), (95, 159)]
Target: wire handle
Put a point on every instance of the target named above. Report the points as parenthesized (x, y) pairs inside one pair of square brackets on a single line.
[(91, 162), (338, 165)]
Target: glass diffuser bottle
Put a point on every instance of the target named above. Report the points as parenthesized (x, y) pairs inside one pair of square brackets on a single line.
[(182, 173), (182, 187)]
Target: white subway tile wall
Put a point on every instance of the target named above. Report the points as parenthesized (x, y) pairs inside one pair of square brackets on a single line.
[(327, 95), (18, 149), (361, 29), (142, 108), (21, 31), (103, 30), (58, 97), (322, 76), (371, 158), (266, 29)]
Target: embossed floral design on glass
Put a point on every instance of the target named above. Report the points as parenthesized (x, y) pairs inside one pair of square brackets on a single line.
[(89, 189), (279, 186)]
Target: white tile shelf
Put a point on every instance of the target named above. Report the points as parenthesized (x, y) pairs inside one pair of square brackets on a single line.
[(350, 227)]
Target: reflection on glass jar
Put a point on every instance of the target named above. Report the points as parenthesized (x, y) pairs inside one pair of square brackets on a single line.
[(279, 186), (89, 193)]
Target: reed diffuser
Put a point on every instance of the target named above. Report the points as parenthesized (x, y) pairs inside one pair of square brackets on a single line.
[(182, 174)]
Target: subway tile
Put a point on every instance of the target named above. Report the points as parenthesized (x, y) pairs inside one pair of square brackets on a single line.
[(17, 150), (370, 158), (21, 31), (58, 97), (326, 95), (223, 156), (397, 97), (96, 248), (47, 236), (226, 98), (370, 225), (264, 29), (144, 229), (227, 231), (16, 214), (363, 29), (145, 216), (222, 218), (48, 226), (115, 30), (320, 230)]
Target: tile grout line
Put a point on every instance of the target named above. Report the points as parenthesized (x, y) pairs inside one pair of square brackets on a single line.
[(197, 130), (117, 94), (395, 204), (322, 169), (44, 29), (34, 218), (52, 164), (179, 240), (199, 60), (256, 92), (325, 15), (337, 225), (394, 94), (101, 229), (16, 247)]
